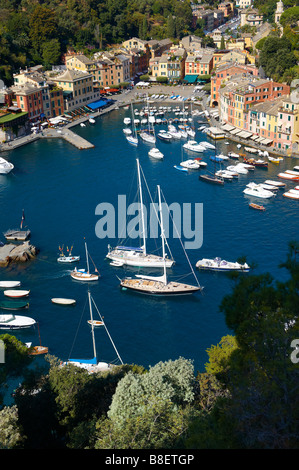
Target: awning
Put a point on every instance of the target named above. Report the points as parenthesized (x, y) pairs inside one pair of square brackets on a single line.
[(254, 137), (235, 131), (190, 78), (245, 134)]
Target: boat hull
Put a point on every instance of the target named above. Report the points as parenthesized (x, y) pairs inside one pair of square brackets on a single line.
[(16, 323), (148, 261), (158, 288)]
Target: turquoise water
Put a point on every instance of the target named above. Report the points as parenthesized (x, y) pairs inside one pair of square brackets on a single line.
[(59, 187)]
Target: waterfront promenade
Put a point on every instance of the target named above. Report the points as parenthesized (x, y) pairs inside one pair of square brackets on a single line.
[(137, 95)]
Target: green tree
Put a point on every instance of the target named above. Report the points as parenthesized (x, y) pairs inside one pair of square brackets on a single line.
[(51, 52), (42, 26)]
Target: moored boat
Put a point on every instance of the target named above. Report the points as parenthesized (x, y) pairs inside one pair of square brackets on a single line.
[(13, 304), (10, 284), (85, 275), (63, 301), (257, 206), (15, 322), (291, 195), (288, 176), (16, 294)]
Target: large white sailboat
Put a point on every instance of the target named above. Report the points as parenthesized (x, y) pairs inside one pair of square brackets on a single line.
[(132, 138), (138, 256), (148, 135), (92, 365), (159, 285)]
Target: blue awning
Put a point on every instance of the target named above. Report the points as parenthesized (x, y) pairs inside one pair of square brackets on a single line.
[(190, 78)]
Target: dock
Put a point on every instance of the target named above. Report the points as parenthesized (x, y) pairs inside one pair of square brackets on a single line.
[(68, 135)]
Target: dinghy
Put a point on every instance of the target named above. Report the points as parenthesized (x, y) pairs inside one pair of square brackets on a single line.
[(10, 284), (16, 294), (61, 301)]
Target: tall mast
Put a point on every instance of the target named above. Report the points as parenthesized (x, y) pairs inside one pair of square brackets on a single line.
[(141, 203), (92, 327), (87, 258), (162, 236)]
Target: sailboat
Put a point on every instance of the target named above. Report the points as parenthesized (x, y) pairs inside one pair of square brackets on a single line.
[(138, 256), (212, 177), (132, 139), (18, 234), (92, 365), (37, 350), (148, 135), (159, 285), (82, 274)]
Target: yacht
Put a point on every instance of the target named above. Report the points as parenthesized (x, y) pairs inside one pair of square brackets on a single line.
[(155, 153), (190, 164), (193, 146), (258, 192), (138, 256), (218, 264), (5, 167)]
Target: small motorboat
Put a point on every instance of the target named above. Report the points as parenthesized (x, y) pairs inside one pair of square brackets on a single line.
[(5, 166), (257, 206), (292, 194), (62, 301), (15, 322), (191, 164), (288, 176), (91, 120), (278, 184), (163, 135), (13, 304), (16, 294), (10, 284), (117, 263), (194, 146), (258, 192), (82, 124), (233, 155), (180, 168), (69, 258)]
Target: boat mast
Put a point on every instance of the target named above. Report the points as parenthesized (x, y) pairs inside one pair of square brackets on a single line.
[(141, 203), (87, 257), (92, 327), (162, 235)]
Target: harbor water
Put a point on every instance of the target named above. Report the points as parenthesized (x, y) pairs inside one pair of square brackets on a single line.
[(59, 187)]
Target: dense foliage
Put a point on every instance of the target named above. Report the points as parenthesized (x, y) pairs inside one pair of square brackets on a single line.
[(35, 31), (246, 398)]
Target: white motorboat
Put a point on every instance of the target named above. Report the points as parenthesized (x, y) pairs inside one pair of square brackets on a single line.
[(238, 168), (190, 164), (233, 155), (10, 284), (91, 120), (63, 301), (127, 121), (292, 195), (224, 174), (147, 137), (5, 166), (155, 153), (82, 124), (174, 132), (270, 187), (166, 136), (251, 150), (127, 131), (93, 365), (15, 322), (85, 275), (218, 264), (138, 256), (193, 146), (207, 145), (258, 192), (16, 294)]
